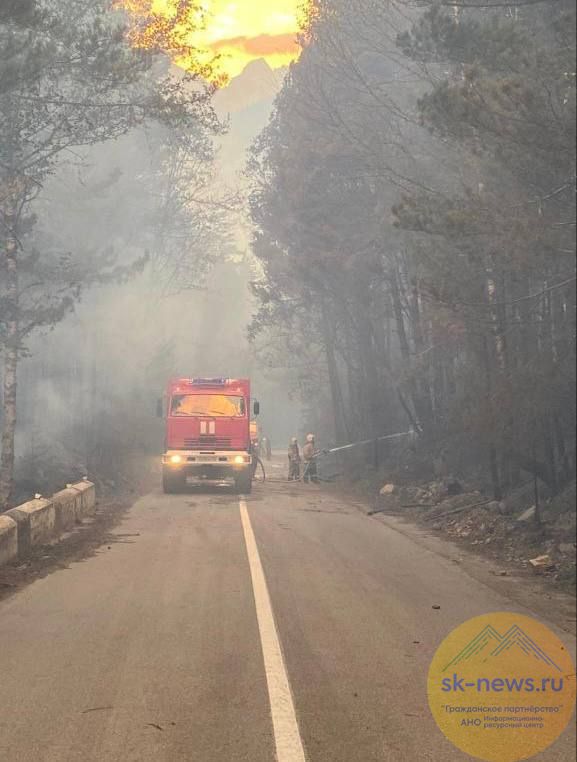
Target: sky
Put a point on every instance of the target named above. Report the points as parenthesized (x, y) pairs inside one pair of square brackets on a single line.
[(240, 32)]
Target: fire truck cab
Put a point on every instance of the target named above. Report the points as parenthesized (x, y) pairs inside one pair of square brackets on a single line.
[(208, 433)]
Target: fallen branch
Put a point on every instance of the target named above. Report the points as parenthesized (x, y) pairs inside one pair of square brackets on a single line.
[(456, 511), (453, 512)]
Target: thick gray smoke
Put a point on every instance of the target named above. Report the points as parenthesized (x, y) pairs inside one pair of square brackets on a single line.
[(180, 306)]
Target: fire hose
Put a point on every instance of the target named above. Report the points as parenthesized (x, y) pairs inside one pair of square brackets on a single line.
[(258, 462)]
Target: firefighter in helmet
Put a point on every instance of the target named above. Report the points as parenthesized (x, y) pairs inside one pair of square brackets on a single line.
[(294, 456), (310, 455)]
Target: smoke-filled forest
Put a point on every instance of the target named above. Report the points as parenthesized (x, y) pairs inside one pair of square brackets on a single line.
[(394, 252), (413, 199), (287, 380), (123, 255)]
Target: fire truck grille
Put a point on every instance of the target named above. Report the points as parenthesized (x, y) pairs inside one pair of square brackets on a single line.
[(208, 443)]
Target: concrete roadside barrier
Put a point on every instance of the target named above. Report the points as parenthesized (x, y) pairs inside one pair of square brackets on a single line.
[(40, 522), (87, 492), (8, 540), (40, 517), (67, 505), (22, 521)]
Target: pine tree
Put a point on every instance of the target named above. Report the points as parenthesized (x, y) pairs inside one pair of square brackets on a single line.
[(69, 79)]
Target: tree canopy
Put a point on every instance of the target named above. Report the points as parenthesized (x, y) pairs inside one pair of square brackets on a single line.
[(71, 81), (414, 204)]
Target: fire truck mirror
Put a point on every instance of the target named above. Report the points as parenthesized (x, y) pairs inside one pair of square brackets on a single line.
[(159, 409), (257, 408)]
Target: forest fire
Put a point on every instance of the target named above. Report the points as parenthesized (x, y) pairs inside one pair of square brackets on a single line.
[(288, 410), (216, 39)]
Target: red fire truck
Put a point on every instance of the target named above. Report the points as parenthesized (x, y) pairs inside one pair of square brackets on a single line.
[(208, 433)]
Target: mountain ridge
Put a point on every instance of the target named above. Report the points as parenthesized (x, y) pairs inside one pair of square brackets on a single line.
[(258, 82)]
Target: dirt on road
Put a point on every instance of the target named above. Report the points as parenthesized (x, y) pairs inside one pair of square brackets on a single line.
[(84, 541), (157, 645)]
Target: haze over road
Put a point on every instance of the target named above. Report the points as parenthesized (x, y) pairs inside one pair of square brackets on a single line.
[(164, 646)]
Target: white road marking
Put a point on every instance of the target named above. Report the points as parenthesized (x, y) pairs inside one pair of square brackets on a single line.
[(289, 745)]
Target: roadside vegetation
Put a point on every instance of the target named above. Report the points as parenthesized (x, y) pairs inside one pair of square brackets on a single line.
[(414, 209), (106, 165)]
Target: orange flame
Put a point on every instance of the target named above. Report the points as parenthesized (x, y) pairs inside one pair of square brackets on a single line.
[(216, 38)]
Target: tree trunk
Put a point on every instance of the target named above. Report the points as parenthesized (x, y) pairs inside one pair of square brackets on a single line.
[(494, 470), (420, 409), (562, 448), (424, 382), (11, 349), (336, 391), (372, 403), (492, 449), (8, 426), (536, 468)]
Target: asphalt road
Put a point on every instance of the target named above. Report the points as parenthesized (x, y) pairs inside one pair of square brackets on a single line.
[(292, 627)]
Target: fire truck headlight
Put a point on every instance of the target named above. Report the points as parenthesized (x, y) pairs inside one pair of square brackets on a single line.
[(176, 459), (240, 460)]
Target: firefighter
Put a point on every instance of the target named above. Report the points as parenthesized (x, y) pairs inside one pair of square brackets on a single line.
[(310, 457), (267, 448), (294, 456)]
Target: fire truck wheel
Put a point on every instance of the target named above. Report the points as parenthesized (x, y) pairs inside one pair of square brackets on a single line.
[(243, 484), (171, 485)]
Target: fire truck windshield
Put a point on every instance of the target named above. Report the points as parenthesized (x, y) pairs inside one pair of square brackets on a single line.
[(213, 405)]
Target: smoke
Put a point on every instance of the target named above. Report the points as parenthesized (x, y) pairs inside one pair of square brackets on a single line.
[(263, 45), (88, 387)]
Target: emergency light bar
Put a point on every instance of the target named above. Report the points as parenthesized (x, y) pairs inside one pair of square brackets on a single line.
[(209, 381)]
